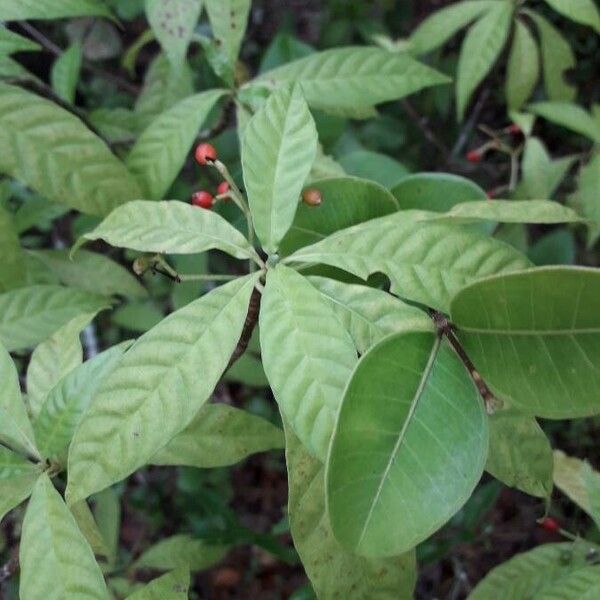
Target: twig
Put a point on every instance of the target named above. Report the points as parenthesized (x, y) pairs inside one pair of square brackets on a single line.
[(249, 325), (469, 125), (445, 328), (421, 123)]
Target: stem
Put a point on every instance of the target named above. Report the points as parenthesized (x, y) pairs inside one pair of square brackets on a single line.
[(206, 277), (421, 123), (249, 325)]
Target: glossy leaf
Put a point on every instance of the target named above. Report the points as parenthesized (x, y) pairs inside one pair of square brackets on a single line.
[(164, 86), (53, 359), (92, 272), (481, 47), (169, 227), (523, 67), (579, 482), (161, 150), (309, 370), (334, 572), (520, 455), (344, 78), (437, 192), (56, 561), (172, 586), (13, 263), (30, 314), (557, 59), (51, 9), (568, 115), (346, 201), (278, 150), (70, 398), (582, 11), (15, 429), (51, 151), (173, 23), (586, 200), (64, 75), (385, 494), (157, 389), (369, 314), (228, 20), (529, 574), (426, 262), (535, 338), (442, 24), (17, 478), (219, 436), (180, 552)]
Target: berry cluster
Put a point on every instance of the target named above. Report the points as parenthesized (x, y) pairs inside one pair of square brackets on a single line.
[(206, 154)]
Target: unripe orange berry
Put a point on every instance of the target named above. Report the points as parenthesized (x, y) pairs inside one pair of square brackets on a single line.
[(312, 197), (205, 153), (202, 199)]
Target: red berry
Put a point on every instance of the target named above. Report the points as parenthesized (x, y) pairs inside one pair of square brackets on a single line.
[(514, 129), (223, 188), (550, 524), (202, 199), (312, 197), (205, 153), (474, 156), (491, 194)]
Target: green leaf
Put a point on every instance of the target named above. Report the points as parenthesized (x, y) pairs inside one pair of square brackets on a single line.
[(169, 227), (346, 201), (568, 115), (582, 11), (15, 429), (107, 513), (385, 494), (586, 200), (534, 338), (583, 584), (523, 68), (56, 561), (51, 151), (308, 374), (68, 401), (554, 248), (334, 572), (375, 166), (219, 436), (557, 58), (54, 358), (181, 552), (437, 192), (508, 211), (278, 150), (64, 75), (344, 78), (369, 314), (92, 272), (441, 25), (579, 482), (173, 23), (31, 314), (51, 9), (172, 586), (164, 86), (481, 47), (248, 370), (118, 125), (88, 527), (527, 575), (228, 19), (161, 150), (541, 174), (17, 478), (157, 388), (11, 42), (520, 455), (12, 273), (138, 316), (426, 262)]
